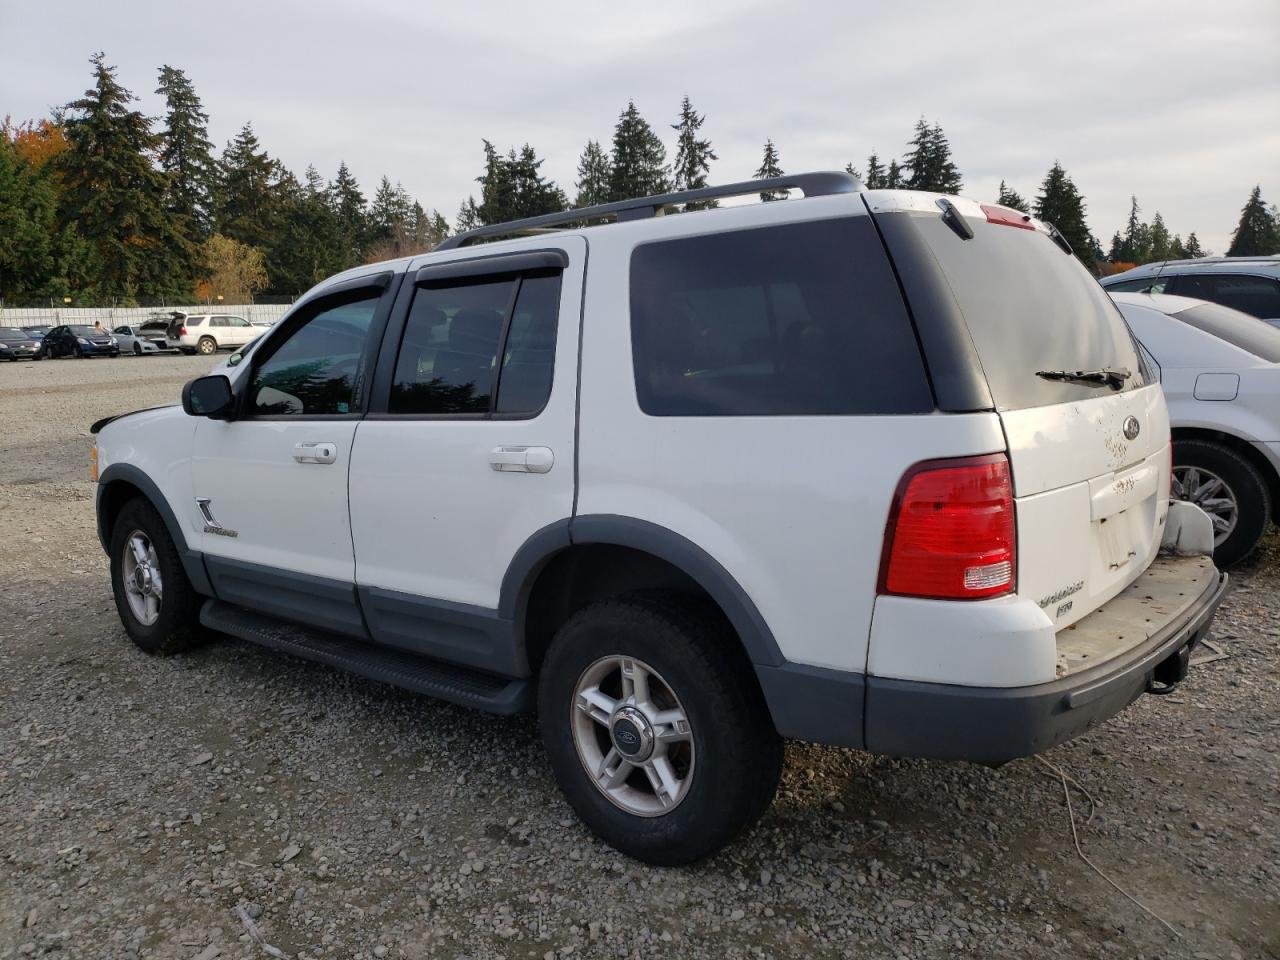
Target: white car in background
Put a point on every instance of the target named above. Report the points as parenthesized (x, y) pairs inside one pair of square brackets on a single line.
[(1220, 370), (142, 338), (207, 333)]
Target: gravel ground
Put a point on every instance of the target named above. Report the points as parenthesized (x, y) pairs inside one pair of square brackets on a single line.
[(142, 801)]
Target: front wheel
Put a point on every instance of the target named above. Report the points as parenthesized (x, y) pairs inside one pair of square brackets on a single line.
[(207, 346), (155, 600), (137, 349), (79, 353), (655, 727), (1229, 489)]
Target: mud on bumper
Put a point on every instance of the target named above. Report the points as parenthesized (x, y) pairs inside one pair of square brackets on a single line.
[(994, 724)]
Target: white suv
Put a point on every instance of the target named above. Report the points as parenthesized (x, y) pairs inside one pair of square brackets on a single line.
[(874, 469), (208, 333)]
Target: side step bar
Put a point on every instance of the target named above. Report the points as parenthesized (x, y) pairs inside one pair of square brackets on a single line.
[(461, 685)]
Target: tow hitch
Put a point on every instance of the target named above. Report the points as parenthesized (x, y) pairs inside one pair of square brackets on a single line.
[(1170, 672)]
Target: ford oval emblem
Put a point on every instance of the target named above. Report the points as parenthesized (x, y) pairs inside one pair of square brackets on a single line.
[(1132, 428)]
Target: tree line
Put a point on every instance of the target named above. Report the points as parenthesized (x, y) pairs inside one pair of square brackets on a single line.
[(102, 203)]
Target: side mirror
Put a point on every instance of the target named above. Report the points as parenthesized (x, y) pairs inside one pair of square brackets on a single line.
[(209, 397)]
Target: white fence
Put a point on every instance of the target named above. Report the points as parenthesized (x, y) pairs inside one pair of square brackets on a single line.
[(115, 316)]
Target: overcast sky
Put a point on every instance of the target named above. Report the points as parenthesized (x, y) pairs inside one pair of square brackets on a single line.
[(1178, 102)]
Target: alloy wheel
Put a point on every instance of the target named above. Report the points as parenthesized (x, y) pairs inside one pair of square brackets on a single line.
[(1210, 493), (140, 573)]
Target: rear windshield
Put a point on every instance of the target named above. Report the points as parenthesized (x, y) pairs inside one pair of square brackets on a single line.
[(1238, 329), (1030, 307), (799, 319)]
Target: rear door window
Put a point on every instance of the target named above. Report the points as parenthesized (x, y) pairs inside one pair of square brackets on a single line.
[(1256, 296), (800, 319), (1030, 307)]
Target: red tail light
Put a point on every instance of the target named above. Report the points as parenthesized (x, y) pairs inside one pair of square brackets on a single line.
[(182, 332), (951, 531)]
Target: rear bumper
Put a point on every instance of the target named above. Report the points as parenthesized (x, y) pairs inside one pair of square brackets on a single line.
[(995, 724)]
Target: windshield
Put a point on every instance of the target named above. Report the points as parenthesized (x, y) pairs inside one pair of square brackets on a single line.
[(85, 330), (13, 333), (1030, 307), (1238, 329)]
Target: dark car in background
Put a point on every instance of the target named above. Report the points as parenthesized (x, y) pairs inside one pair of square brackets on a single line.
[(36, 331), (17, 344), (79, 340)]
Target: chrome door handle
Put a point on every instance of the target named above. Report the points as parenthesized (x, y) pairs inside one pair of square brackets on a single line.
[(522, 459), (317, 452)]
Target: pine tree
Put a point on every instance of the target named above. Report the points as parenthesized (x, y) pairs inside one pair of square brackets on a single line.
[(929, 162), (247, 209), (534, 195), (1257, 234), (877, 177), (114, 195), (639, 160), (893, 179), (1061, 204), (353, 217), (497, 191), (854, 172), (307, 244), (1116, 254), (468, 216), (28, 203), (390, 211), (1161, 244), (594, 171), (1192, 248), (693, 154), (769, 168), (1008, 197), (186, 153), (1137, 236)]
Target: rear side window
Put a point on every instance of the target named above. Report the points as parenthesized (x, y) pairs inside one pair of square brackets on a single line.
[(1238, 329), (801, 319), (1144, 285), (479, 347), (1256, 296), (1030, 307)]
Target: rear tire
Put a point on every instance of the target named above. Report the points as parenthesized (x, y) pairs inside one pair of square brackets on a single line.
[(1196, 465), (172, 623), (701, 779), (207, 346)]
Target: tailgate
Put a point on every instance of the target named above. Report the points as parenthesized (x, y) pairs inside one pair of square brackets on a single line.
[(1091, 487)]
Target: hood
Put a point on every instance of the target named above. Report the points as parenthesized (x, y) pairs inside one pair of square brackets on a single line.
[(99, 424)]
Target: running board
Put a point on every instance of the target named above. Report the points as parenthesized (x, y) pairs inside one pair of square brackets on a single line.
[(461, 685)]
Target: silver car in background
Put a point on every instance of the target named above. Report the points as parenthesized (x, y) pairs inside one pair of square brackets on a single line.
[(1220, 370), (1248, 284)]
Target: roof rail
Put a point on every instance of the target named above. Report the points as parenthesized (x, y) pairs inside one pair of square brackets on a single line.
[(820, 184)]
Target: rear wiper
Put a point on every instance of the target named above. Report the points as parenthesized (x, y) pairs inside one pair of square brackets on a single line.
[(1106, 377)]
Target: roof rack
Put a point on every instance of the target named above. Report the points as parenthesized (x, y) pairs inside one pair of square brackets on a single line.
[(820, 184)]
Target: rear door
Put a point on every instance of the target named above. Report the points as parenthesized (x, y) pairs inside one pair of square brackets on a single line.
[(468, 449), (1090, 461)]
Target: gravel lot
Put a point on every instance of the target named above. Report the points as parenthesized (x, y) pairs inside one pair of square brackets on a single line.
[(142, 801)]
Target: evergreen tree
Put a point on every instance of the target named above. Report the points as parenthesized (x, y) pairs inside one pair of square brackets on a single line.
[(497, 190), (1257, 234), (1160, 243), (1192, 248), (307, 245), (929, 163), (893, 179), (594, 173), (877, 177), (247, 208), (639, 160), (854, 172), (353, 218), (769, 168), (468, 215), (1177, 249), (28, 203), (1061, 204), (1008, 197), (390, 211), (1137, 236), (186, 152), (114, 195), (534, 195), (1116, 253), (693, 154)]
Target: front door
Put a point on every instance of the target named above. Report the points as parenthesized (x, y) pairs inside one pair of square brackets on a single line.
[(270, 487), (468, 447)]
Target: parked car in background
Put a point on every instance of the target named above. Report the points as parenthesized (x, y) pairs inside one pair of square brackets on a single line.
[(946, 544), (1220, 370), (1248, 284), (145, 338), (79, 340), (17, 344), (208, 333), (37, 331)]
